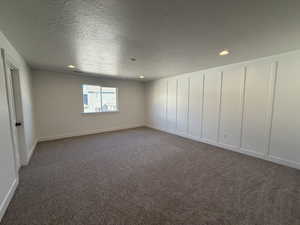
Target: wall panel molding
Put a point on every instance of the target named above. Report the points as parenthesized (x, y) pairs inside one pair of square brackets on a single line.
[(196, 95), (203, 87), (243, 107), (285, 135), (273, 83), (220, 109), (182, 104), (241, 100), (188, 106), (211, 105), (230, 119)]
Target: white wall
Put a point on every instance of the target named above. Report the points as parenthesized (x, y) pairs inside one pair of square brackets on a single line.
[(26, 94), (211, 105), (58, 100), (195, 103), (8, 175), (250, 107)]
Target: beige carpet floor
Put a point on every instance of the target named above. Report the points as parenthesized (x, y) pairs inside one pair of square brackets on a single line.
[(143, 176)]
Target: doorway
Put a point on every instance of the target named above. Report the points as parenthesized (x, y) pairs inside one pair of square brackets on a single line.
[(15, 110)]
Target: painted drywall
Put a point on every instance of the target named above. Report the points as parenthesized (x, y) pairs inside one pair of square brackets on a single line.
[(211, 107), (7, 164), (249, 107), (26, 94), (285, 138), (59, 107), (8, 175), (195, 104)]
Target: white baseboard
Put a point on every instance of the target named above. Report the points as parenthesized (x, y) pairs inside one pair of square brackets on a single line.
[(248, 152), (82, 133), (31, 150), (4, 204), (284, 162), (253, 153)]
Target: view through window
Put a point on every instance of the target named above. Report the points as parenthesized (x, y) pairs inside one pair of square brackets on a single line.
[(99, 99)]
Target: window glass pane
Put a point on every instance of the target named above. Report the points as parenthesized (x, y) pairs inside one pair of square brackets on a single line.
[(109, 99), (85, 99), (99, 99), (91, 98)]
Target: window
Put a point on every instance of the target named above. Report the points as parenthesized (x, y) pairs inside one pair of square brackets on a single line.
[(99, 99)]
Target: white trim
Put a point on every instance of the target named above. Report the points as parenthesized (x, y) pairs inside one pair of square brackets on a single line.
[(195, 138), (253, 153), (31, 150), (11, 109), (176, 104), (83, 133), (202, 105), (4, 204), (188, 107), (220, 107), (248, 152), (229, 147), (243, 96), (284, 162), (167, 102), (18, 136), (88, 113), (273, 81), (208, 141), (165, 121)]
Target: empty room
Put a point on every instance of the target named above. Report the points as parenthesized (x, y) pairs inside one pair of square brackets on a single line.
[(140, 112)]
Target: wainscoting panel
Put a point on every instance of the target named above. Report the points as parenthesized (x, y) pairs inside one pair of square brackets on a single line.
[(211, 105), (231, 106), (285, 138), (257, 107), (172, 105), (182, 104), (196, 104), (250, 107)]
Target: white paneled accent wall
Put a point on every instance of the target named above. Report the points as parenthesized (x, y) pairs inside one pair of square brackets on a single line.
[(211, 105), (259, 83), (182, 104), (231, 106), (195, 104), (160, 104), (250, 107), (171, 104), (285, 139)]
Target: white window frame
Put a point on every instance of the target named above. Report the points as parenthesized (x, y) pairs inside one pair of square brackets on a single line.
[(117, 99)]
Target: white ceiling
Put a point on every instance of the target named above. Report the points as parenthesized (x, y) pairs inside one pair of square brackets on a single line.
[(167, 37)]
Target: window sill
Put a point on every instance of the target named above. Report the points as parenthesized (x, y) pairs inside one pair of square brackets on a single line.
[(88, 113)]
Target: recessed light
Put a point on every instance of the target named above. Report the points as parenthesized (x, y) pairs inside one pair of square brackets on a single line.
[(71, 66), (142, 77), (224, 52)]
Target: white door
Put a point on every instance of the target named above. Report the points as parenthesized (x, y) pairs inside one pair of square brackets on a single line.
[(15, 111)]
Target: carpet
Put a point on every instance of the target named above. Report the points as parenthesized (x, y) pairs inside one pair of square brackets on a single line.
[(145, 177)]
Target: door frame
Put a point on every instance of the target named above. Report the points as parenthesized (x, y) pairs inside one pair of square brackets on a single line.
[(12, 79)]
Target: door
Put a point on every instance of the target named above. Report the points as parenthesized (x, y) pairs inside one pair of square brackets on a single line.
[(16, 115)]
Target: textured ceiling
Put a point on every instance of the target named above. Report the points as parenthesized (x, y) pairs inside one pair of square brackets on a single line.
[(167, 37)]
